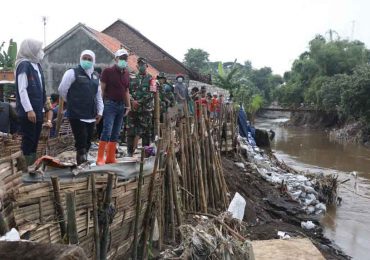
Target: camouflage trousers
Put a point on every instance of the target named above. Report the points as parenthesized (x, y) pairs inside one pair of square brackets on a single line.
[(139, 124)]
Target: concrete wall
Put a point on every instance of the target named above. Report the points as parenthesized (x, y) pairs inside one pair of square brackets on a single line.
[(66, 54), (210, 88)]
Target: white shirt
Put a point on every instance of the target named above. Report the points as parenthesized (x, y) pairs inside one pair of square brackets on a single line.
[(65, 84), (22, 88)]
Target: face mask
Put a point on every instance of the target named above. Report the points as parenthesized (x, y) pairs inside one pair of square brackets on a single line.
[(167, 88), (86, 64), (122, 64), (142, 69), (179, 80), (40, 55)]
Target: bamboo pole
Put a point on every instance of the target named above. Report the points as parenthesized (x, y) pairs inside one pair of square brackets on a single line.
[(138, 206), (170, 195), (3, 225), (58, 205), (150, 207), (95, 217), (106, 204), (157, 113), (183, 167), (59, 116), (71, 216), (174, 187)]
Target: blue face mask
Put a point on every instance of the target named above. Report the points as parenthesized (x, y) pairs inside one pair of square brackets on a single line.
[(122, 64), (86, 64)]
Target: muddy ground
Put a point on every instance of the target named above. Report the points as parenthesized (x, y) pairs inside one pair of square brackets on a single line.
[(269, 209)]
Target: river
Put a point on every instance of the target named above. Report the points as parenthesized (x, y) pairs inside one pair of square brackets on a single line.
[(348, 225)]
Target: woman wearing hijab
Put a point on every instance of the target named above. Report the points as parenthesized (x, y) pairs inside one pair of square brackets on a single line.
[(80, 89), (30, 96)]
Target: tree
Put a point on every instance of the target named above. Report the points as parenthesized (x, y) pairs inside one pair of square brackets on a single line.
[(7, 59), (355, 100), (197, 60), (226, 78)]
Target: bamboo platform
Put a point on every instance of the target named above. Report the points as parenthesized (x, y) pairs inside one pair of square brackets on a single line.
[(109, 216), (32, 209)]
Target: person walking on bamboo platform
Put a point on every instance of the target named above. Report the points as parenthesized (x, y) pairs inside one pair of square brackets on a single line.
[(140, 123), (115, 85), (167, 98), (81, 90), (30, 96), (181, 93)]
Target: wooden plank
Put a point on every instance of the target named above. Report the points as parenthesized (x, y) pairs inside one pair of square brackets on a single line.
[(291, 249)]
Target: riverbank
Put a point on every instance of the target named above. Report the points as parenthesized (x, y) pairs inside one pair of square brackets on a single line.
[(270, 207), (342, 131)]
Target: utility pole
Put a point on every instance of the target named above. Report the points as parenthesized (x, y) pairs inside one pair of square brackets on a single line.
[(353, 30), (44, 19)]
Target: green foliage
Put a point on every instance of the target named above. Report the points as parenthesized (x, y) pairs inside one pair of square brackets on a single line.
[(7, 59), (227, 79), (355, 101), (333, 75), (256, 104), (197, 60), (241, 80)]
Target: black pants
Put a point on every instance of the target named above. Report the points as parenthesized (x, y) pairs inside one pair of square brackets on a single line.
[(30, 135), (82, 133)]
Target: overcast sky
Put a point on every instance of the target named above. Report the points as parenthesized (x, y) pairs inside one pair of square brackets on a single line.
[(267, 32)]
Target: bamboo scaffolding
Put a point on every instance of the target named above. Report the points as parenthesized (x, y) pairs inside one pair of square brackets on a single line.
[(138, 205)]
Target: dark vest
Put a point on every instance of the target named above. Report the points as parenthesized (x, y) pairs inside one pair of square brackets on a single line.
[(4, 117), (35, 92), (81, 96)]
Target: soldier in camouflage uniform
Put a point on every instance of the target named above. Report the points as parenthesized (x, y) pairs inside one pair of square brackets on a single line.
[(166, 96), (142, 103)]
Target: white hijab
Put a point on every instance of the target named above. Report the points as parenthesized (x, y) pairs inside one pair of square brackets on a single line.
[(92, 54), (29, 51)]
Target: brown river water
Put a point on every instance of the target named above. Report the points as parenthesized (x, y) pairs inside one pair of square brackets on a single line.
[(348, 225)]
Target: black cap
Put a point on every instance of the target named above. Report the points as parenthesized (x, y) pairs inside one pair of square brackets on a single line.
[(141, 60), (161, 75)]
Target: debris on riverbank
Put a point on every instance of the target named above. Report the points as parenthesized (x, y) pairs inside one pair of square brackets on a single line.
[(212, 237), (272, 201)]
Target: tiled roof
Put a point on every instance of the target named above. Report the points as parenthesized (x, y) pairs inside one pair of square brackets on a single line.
[(113, 45)]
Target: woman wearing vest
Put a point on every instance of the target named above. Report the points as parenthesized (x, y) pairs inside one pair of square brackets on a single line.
[(30, 96), (80, 89)]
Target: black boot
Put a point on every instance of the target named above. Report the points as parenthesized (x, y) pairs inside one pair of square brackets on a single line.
[(81, 156), (130, 146)]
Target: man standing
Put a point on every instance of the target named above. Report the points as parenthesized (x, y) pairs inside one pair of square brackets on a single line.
[(166, 96), (80, 89), (142, 104), (115, 85), (181, 93), (31, 95)]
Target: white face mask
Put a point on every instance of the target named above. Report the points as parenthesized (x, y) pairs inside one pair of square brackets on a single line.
[(40, 55), (179, 80)]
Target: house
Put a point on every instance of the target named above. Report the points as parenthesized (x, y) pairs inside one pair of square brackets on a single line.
[(64, 53), (159, 58)]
